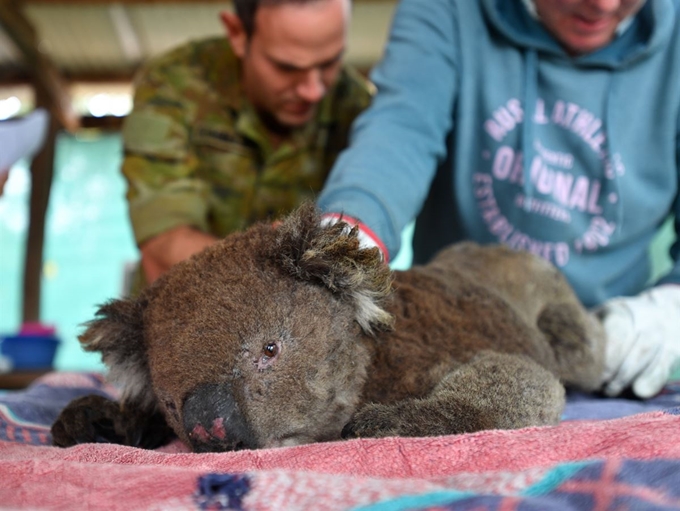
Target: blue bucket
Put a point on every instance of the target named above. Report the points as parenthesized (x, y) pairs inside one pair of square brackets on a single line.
[(30, 351)]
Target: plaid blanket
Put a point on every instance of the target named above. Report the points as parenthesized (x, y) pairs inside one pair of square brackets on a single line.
[(606, 454)]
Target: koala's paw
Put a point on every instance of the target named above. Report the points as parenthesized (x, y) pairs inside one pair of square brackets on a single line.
[(87, 419), (374, 421)]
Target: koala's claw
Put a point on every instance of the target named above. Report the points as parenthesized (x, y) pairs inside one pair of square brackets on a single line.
[(87, 419), (96, 419)]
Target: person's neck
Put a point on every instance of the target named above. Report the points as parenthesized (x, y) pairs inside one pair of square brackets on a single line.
[(276, 139), (276, 132)]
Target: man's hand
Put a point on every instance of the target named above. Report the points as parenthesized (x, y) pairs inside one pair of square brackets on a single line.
[(169, 248), (643, 340)]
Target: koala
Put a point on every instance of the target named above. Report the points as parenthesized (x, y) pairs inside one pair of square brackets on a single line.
[(290, 334)]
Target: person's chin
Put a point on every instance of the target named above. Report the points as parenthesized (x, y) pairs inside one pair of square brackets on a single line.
[(582, 45), (586, 38), (296, 119)]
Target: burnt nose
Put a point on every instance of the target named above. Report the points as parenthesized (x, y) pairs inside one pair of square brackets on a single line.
[(213, 421)]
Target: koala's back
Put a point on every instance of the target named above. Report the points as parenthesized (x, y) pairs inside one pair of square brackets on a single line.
[(524, 281), (471, 298)]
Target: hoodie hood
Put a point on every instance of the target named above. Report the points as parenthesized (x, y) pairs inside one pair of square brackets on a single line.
[(649, 29)]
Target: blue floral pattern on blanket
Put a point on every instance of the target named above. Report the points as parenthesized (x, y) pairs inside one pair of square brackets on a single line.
[(27, 415), (597, 485)]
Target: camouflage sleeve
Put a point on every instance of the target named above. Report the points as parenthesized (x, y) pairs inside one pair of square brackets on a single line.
[(159, 165), (362, 91)]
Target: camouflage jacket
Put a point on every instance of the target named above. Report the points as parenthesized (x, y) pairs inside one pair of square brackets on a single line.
[(197, 154)]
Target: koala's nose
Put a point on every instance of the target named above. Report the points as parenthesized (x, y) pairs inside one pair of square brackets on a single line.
[(213, 421)]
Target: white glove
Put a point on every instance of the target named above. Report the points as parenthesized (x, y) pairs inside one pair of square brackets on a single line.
[(367, 238), (643, 340)]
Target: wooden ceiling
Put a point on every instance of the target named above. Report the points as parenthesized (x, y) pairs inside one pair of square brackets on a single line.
[(105, 40)]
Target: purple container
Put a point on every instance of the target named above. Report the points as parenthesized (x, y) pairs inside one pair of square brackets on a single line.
[(30, 351)]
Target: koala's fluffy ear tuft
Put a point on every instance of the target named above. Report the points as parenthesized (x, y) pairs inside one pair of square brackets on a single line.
[(117, 332), (331, 255)]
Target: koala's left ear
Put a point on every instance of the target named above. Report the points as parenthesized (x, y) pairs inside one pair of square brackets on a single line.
[(117, 332), (331, 255)]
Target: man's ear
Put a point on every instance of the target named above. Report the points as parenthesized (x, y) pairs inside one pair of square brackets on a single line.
[(236, 33)]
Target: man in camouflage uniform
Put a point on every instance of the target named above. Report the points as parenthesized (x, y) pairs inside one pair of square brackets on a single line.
[(229, 131)]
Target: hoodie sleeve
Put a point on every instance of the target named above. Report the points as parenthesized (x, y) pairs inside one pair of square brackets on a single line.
[(383, 178)]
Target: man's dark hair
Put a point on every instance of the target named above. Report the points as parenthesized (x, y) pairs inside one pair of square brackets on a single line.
[(246, 10)]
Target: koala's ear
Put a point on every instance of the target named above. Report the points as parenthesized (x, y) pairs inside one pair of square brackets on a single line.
[(117, 332), (330, 255)]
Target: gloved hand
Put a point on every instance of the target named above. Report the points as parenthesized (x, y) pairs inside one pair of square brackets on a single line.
[(367, 238), (643, 340)]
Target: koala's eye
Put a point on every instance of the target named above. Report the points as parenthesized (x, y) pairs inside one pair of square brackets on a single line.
[(268, 356), (270, 350)]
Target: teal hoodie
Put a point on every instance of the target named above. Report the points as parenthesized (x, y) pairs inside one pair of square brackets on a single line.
[(484, 125)]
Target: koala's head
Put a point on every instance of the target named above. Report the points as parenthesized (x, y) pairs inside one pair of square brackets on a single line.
[(258, 341)]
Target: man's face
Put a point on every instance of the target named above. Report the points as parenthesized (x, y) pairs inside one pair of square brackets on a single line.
[(583, 26), (292, 58)]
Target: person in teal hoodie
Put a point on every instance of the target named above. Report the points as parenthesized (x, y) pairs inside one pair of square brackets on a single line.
[(551, 126)]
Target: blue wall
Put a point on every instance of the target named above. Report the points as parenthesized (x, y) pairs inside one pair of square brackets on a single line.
[(87, 241)]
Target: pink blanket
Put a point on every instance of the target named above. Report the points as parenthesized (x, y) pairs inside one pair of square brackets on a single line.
[(342, 475), (624, 463)]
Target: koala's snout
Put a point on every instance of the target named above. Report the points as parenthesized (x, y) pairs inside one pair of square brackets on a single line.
[(213, 421)]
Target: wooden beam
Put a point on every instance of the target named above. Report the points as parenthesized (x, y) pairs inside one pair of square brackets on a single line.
[(138, 2), (105, 123), (24, 77), (42, 171), (124, 2), (15, 77), (45, 73), (128, 39)]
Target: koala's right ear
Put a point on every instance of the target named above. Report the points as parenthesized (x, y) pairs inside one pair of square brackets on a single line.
[(332, 256), (117, 332)]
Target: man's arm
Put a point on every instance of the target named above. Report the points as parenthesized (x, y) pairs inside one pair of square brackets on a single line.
[(169, 248), (397, 143), (167, 200)]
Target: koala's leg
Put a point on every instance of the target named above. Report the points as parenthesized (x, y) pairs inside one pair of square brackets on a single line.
[(492, 391), (98, 419), (578, 342)]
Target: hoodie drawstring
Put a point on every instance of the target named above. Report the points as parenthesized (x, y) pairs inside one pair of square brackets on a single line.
[(530, 98), (612, 176)]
